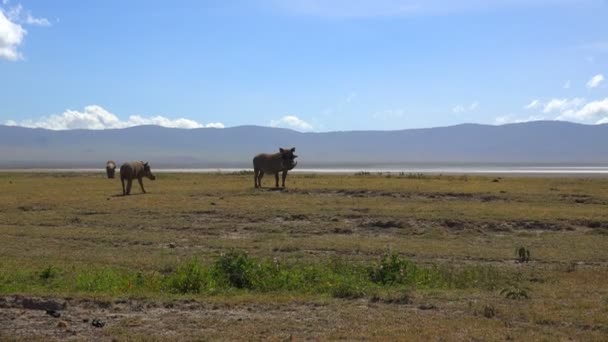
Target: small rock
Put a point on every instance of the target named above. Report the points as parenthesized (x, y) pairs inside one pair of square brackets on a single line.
[(85, 320), (62, 324), (98, 323), (172, 245), (53, 313), (212, 203), (427, 307)]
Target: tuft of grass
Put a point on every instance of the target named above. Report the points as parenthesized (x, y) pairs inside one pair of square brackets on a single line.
[(515, 293), (235, 269), (187, 278), (48, 273)]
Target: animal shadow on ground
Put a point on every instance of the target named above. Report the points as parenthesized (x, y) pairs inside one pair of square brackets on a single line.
[(273, 189), (135, 194)]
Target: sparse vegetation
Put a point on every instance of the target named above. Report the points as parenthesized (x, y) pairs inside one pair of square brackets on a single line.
[(317, 249), (515, 292)]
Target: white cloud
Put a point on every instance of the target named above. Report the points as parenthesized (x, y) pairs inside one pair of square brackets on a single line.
[(574, 109), (566, 85), (31, 20), (465, 108), (533, 105), (11, 37), (96, 117), (595, 81), (510, 118), (291, 121), (592, 112), (562, 105), (351, 97), (602, 121), (12, 32)]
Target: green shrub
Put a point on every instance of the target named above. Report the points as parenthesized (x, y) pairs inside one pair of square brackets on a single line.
[(234, 268), (188, 278), (48, 273), (392, 269)]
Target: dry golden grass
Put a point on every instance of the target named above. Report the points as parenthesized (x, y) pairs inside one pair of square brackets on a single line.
[(75, 222)]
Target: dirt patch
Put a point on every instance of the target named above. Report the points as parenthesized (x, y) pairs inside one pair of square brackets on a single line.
[(362, 193), (184, 319), (385, 224), (581, 199)]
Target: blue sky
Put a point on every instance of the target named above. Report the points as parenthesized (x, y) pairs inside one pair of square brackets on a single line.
[(309, 65)]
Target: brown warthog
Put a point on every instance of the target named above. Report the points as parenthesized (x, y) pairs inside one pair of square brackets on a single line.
[(132, 170), (110, 168), (273, 164)]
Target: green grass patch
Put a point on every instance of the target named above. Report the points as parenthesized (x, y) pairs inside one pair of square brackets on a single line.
[(237, 271)]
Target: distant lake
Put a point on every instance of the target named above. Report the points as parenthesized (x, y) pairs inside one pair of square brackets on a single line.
[(434, 169)]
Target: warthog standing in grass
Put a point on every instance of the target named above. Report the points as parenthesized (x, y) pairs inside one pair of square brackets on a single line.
[(132, 170), (273, 164), (110, 168)]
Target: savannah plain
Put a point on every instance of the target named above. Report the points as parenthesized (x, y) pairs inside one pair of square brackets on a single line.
[(363, 256)]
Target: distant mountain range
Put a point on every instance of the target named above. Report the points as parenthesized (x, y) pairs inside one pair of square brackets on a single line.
[(541, 142)]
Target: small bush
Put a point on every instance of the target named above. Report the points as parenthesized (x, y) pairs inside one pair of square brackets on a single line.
[(234, 268), (188, 278), (392, 269)]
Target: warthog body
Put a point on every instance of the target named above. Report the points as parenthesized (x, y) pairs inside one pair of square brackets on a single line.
[(110, 168), (132, 170), (273, 164)]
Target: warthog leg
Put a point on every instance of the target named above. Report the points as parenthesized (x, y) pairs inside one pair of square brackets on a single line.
[(260, 178), (122, 180), (129, 183), (256, 172), (141, 184), (284, 176), (276, 179)]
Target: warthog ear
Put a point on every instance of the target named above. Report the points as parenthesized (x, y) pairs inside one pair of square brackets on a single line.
[(281, 150), (293, 149), (146, 164)]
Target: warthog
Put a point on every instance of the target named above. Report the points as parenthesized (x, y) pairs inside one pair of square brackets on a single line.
[(110, 168), (132, 170), (273, 164)]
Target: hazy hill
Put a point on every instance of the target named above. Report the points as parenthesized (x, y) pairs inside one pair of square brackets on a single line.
[(527, 143)]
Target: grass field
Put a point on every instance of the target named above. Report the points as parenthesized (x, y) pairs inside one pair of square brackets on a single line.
[(364, 256)]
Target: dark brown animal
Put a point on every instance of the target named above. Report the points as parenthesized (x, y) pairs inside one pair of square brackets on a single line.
[(132, 170), (110, 168), (273, 164)]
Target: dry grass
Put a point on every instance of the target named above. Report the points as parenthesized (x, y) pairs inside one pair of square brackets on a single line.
[(78, 222)]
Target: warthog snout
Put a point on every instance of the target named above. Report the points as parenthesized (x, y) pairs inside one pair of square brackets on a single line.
[(148, 172)]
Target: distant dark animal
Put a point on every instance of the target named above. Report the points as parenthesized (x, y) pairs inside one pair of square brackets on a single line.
[(110, 168), (273, 164), (132, 170)]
